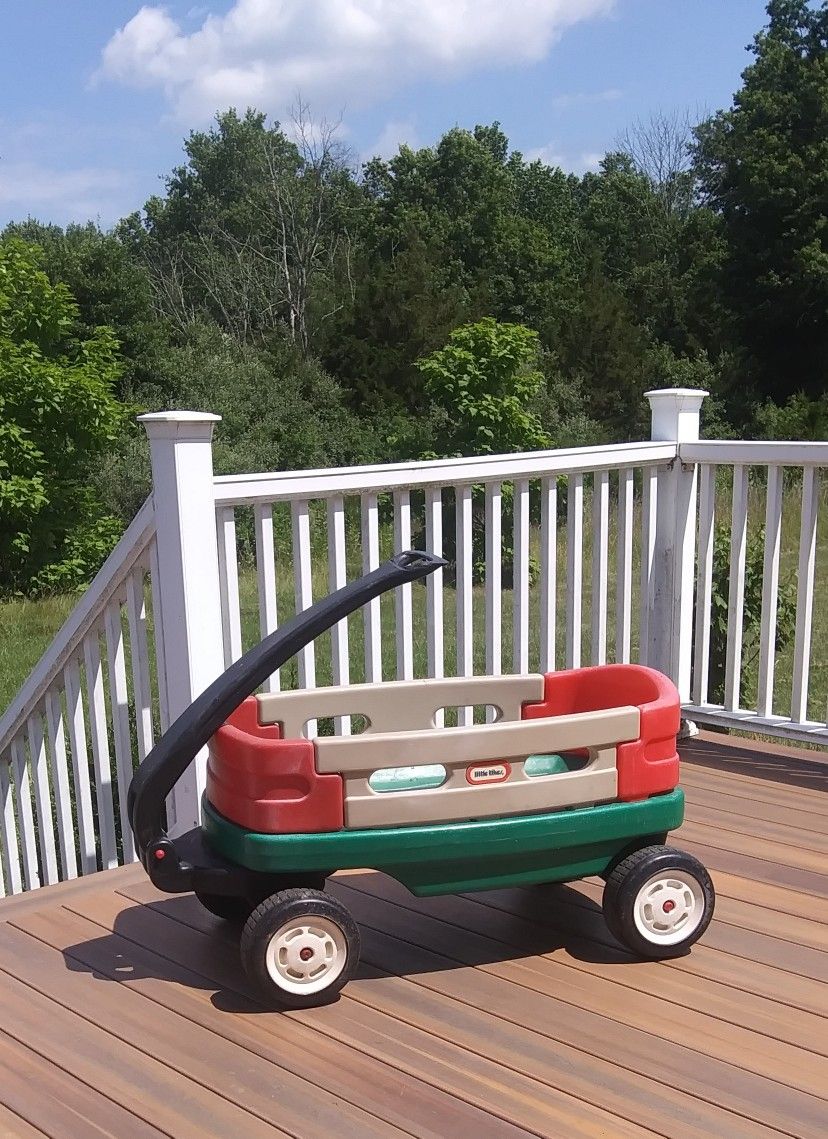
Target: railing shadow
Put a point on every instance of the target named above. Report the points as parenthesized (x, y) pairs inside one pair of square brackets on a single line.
[(175, 942), (760, 761)]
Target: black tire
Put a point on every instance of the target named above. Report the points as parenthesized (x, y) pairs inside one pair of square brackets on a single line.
[(228, 907), (658, 901), (316, 954)]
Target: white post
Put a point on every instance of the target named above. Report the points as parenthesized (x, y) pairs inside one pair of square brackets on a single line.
[(188, 571), (675, 419)]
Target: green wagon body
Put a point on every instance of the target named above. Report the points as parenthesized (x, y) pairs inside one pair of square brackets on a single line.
[(485, 854)]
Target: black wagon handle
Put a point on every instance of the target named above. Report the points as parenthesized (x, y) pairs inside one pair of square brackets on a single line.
[(187, 735)]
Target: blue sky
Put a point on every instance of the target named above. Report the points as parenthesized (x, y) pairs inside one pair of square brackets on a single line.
[(98, 97)]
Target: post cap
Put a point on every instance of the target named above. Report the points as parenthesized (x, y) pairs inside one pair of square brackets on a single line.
[(683, 395), (179, 417), (675, 414), (180, 426)]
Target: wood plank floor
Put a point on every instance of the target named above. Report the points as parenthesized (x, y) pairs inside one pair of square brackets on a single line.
[(124, 1012)]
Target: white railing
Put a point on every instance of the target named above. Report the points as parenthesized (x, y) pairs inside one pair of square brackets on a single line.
[(775, 487), (557, 559), (71, 738)]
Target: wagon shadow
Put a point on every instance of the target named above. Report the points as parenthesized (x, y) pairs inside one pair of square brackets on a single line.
[(174, 942)]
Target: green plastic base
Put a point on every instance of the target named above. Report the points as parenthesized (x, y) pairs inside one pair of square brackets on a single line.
[(448, 858)]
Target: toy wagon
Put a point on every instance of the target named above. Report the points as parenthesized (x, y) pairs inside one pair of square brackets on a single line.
[(575, 774)]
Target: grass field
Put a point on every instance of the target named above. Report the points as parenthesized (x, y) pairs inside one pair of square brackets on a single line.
[(28, 626)]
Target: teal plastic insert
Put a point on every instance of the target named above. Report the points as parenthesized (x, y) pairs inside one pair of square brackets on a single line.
[(408, 778), (554, 764), (545, 765)]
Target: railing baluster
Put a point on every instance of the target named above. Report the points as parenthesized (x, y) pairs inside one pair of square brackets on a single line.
[(704, 588), (119, 705), (372, 611), (805, 595), (303, 586), (520, 572), (770, 590), (574, 568), (494, 594), (600, 565), (403, 612), (100, 749), (9, 853), (736, 591), (266, 581), (434, 589), (139, 661), (494, 565), (229, 583), (43, 799), (548, 573), (60, 784), (158, 635), (80, 769), (624, 587), (25, 814), (464, 615), (649, 512), (337, 577)]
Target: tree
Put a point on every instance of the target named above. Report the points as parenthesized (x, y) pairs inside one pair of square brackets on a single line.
[(110, 288), (482, 385), (57, 417), (763, 166), (483, 381), (660, 148), (253, 231)]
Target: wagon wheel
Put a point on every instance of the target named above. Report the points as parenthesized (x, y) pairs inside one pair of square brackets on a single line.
[(299, 948), (228, 907), (658, 901)]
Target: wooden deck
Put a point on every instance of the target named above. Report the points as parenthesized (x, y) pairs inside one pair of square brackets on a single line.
[(124, 1012)]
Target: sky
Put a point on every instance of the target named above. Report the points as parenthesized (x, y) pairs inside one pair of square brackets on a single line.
[(97, 96)]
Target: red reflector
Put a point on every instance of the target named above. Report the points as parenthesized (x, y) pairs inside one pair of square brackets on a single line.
[(159, 854)]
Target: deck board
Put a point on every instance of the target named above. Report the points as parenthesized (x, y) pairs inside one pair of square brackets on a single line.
[(512, 1013)]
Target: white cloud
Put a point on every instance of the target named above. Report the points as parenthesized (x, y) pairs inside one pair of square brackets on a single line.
[(262, 52), (552, 155), (28, 189), (585, 98), (392, 136)]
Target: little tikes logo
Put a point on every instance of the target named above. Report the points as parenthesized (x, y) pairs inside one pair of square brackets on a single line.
[(488, 772)]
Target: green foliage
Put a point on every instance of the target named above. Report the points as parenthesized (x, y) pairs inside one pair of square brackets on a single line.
[(764, 168), (484, 380), (800, 418), (279, 411), (481, 385), (110, 289), (57, 417), (752, 612)]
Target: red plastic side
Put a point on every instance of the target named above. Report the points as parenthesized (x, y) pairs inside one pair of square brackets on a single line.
[(267, 784), (646, 766)]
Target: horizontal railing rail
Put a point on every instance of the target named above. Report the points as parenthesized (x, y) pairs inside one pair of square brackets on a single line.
[(239, 490), (755, 453)]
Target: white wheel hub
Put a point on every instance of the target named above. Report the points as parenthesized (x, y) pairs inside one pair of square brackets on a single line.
[(306, 955), (669, 907)]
